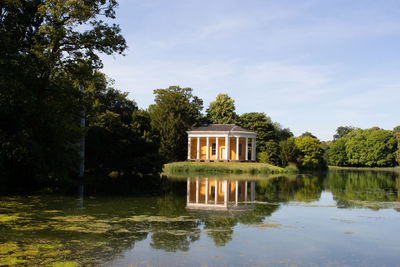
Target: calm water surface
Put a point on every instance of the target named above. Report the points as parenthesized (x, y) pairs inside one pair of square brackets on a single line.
[(341, 218)]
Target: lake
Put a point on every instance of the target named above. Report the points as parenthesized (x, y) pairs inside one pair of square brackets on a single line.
[(340, 218)]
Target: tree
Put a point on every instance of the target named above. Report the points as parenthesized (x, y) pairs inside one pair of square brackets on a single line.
[(269, 134), (175, 111), (311, 152), (222, 110), (396, 129), (47, 45), (288, 151), (337, 153), (119, 137), (397, 135), (342, 131), (372, 147)]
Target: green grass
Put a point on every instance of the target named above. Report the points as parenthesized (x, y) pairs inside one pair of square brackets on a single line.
[(393, 169), (251, 168)]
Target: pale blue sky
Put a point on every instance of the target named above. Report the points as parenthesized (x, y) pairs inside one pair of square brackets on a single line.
[(309, 65)]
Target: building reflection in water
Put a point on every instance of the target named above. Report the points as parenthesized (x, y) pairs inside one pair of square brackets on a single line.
[(217, 194)]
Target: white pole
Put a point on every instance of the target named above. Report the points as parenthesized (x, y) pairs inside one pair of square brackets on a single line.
[(208, 148), (198, 148), (253, 149), (189, 147), (245, 191), (237, 148), (236, 193), (227, 156)]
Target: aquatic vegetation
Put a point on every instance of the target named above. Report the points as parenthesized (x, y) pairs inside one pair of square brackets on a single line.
[(65, 264), (52, 211), (73, 218), (37, 252), (218, 257), (342, 220), (269, 225), (6, 248), (9, 217), (148, 218)]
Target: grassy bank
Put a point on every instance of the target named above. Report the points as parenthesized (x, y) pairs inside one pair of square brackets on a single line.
[(392, 169), (225, 168)]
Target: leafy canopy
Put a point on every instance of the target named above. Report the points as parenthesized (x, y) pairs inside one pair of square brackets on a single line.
[(46, 46), (222, 110), (175, 111)]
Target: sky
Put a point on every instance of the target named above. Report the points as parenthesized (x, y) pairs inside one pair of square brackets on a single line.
[(308, 65)]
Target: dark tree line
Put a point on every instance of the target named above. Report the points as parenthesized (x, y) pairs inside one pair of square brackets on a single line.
[(44, 55)]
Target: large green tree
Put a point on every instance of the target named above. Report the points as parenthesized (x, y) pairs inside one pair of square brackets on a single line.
[(119, 137), (222, 110), (269, 134), (337, 153), (288, 151), (311, 152), (46, 46), (175, 111), (372, 147)]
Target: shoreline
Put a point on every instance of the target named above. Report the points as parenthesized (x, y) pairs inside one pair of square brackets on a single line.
[(392, 169), (253, 168)]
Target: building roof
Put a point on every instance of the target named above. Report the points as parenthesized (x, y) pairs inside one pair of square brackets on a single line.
[(219, 128)]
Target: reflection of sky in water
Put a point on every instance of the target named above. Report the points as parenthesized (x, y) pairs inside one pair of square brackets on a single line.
[(306, 235), (303, 233)]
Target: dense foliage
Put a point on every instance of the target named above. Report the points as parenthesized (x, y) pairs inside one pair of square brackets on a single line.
[(119, 136), (311, 153), (222, 110), (47, 48), (175, 111), (269, 134), (372, 147)]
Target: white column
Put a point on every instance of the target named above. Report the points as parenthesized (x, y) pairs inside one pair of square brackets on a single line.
[(247, 149), (206, 198), (253, 191), (216, 191), (227, 152), (245, 191), (208, 148), (253, 149), (198, 148), (237, 148), (236, 192), (197, 190), (226, 197), (188, 191), (189, 148), (216, 148)]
